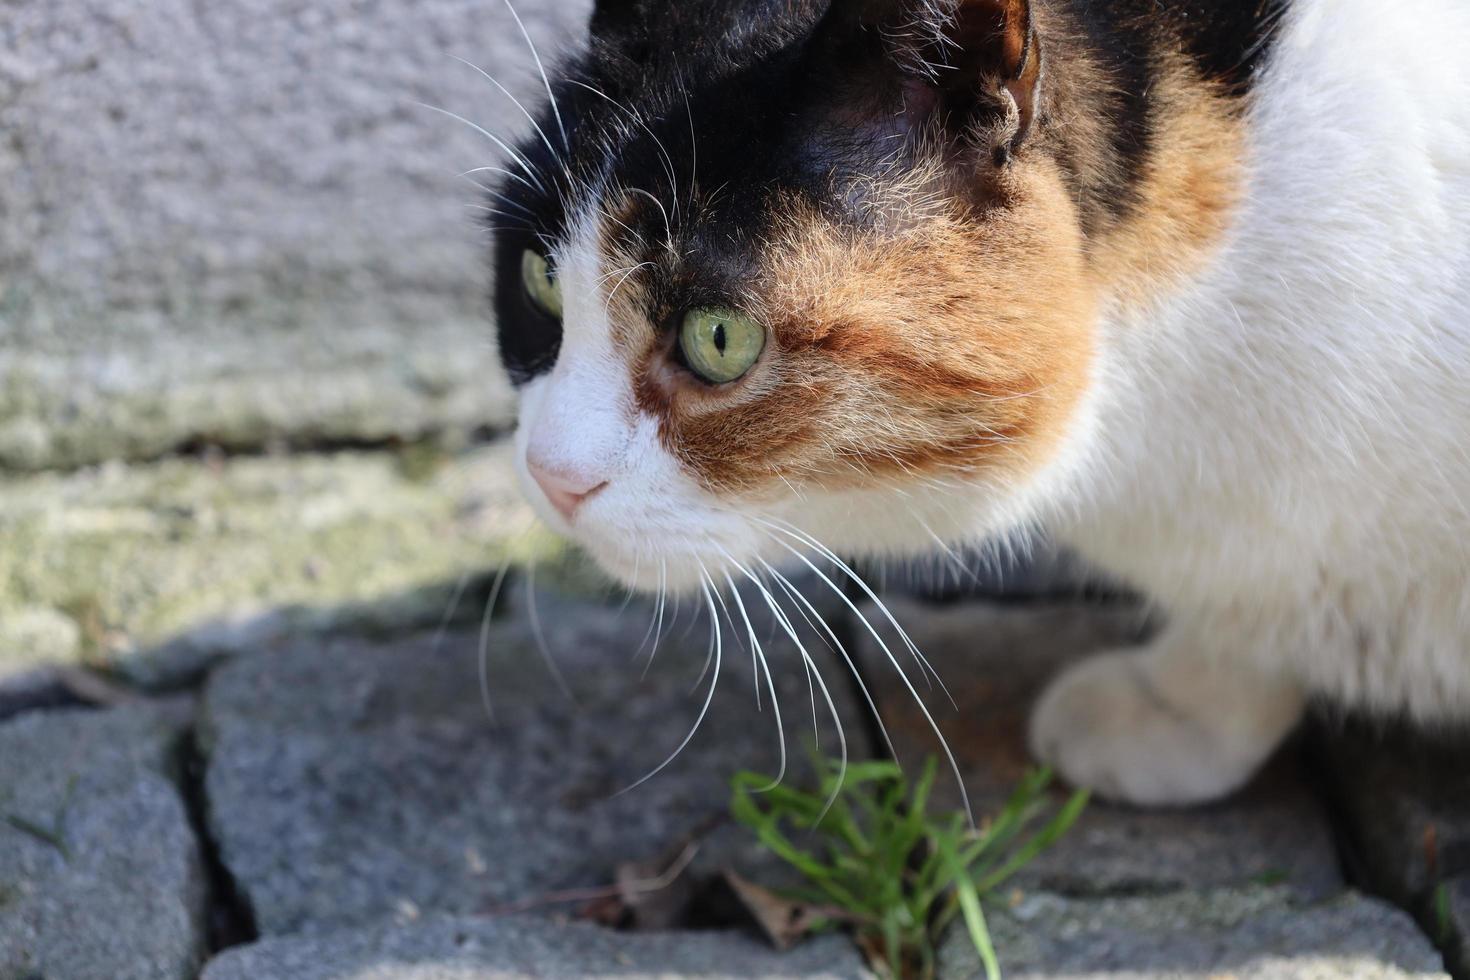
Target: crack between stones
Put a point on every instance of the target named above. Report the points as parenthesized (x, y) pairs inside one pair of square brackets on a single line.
[(1079, 890), (229, 918), (48, 695), (202, 446), (1421, 909), (1449, 950)]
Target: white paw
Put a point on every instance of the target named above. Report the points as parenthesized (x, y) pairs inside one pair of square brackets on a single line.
[(1106, 724)]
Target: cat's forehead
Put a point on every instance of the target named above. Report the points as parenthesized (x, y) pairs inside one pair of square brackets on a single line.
[(728, 30), (707, 143)]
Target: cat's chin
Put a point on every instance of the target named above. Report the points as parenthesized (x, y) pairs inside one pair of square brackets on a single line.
[(680, 567), (664, 556), (686, 576), (673, 574), (676, 564)]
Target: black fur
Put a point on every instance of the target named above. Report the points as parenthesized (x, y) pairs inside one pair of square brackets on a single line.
[(1127, 45), (788, 98), (1228, 39)]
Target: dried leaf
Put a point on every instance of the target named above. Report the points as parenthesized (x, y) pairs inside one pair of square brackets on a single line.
[(648, 896), (608, 911), (784, 921), (90, 687), (657, 894), (875, 953)]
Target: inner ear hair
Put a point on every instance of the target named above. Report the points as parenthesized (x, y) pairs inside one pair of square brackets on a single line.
[(982, 58)]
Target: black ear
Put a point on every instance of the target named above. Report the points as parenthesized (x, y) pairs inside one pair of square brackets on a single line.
[(966, 60)]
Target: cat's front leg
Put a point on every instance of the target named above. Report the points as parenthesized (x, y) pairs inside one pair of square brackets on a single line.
[(1172, 724)]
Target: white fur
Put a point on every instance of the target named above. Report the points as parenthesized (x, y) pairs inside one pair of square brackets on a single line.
[(1282, 454), (653, 524), (1279, 456)]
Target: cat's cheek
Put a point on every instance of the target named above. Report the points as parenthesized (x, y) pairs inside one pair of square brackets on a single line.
[(653, 527), (656, 527)]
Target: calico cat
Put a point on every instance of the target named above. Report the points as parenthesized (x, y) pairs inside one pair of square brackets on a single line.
[(1183, 282)]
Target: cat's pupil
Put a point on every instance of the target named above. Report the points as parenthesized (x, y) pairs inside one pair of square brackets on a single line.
[(720, 338)]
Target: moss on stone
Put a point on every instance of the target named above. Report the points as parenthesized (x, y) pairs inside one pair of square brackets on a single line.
[(106, 564)]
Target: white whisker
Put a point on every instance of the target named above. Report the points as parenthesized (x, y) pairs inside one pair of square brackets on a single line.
[(498, 197), (540, 635), (484, 660), (705, 584), (668, 226), (665, 158), (709, 654), (857, 579), (760, 657), (626, 276), (454, 598), (836, 645), (524, 111), (510, 174), (628, 589), (504, 146), (536, 56), (813, 673), (693, 140), (933, 725), (663, 574)]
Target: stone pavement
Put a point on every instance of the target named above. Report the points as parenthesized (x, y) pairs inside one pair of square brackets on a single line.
[(100, 871), (1259, 933), (331, 798)]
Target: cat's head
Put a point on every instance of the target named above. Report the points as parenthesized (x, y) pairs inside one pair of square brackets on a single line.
[(772, 268)]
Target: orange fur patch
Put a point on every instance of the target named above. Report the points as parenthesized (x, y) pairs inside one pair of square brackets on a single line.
[(1192, 185), (954, 343), (949, 338)]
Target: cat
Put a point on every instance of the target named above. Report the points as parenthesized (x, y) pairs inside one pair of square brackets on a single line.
[(1182, 282)]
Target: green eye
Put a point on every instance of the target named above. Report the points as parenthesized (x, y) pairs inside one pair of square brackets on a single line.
[(540, 282), (720, 345)]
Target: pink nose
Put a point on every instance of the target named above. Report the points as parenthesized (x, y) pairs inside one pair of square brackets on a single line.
[(565, 492)]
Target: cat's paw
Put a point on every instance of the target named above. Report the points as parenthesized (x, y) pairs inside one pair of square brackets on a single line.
[(1108, 724)]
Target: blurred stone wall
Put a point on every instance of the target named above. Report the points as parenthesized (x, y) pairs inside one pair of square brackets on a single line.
[(230, 222)]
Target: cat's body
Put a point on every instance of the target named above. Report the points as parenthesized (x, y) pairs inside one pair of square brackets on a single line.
[(1188, 288), (1283, 455)]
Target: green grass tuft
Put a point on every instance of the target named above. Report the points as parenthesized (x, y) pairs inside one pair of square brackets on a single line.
[(1444, 921), (876, 860)]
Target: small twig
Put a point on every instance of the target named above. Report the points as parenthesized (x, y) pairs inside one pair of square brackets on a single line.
[(92, 687), (645, 886), (54, 836), (31, 829)]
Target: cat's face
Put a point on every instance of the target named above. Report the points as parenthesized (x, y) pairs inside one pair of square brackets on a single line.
[(771, 270)]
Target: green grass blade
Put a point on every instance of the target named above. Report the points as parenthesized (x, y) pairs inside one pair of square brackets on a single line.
[(893, 946), (869, 772), (975, 925), (1013, 816), (1039, 842), (900, 874)]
